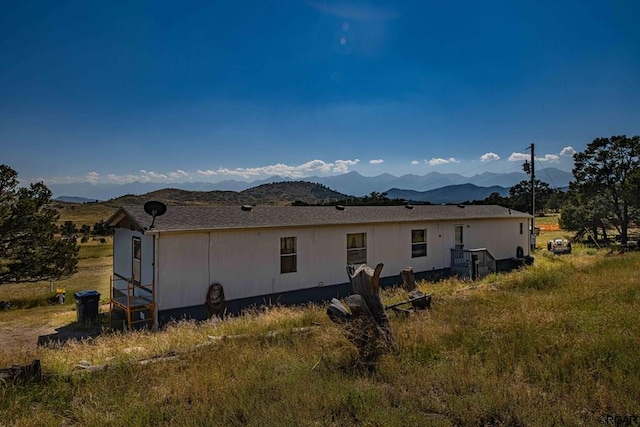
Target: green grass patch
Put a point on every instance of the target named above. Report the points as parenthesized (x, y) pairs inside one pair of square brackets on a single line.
[(95, 249), (25, 303), (550, 276)]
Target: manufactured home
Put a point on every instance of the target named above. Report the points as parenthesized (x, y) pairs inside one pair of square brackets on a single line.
[(263, 254)]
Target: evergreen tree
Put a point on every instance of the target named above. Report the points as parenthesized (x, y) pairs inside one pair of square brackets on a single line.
[(68, 230), (520, 196), (608, 170), (29, 250), (101, 228)]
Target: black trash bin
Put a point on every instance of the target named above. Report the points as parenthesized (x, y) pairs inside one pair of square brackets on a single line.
[(87, 305)]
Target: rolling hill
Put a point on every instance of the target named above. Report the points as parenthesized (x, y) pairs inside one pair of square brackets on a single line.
[(279, 193), (449, 194)]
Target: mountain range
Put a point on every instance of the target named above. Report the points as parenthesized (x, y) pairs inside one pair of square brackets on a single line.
[(351, 183), (275, 194)]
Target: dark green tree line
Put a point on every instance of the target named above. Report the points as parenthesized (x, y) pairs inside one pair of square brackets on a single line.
[(101, 228), (520, 195)]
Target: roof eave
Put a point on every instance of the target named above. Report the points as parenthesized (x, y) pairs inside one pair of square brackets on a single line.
[(121, 214), (266, 226)]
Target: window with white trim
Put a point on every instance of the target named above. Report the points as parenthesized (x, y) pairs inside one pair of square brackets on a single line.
[(357, 248), (288, 255), (418, 243)]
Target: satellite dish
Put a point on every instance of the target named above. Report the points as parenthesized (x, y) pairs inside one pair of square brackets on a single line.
[(155, 208)]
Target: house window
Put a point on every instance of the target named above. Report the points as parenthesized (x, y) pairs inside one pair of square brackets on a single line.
[(521, 228), (418, 243), (136, 267), (459, 242), (288, 255), (357, 248)]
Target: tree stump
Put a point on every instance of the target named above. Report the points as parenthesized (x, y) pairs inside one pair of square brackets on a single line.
[(408, 279), (17, 374), (365, 323)]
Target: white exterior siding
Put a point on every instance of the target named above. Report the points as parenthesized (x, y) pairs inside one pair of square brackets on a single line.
[(241, 249), (501, 238), (123, 257), (182, 269), (247, 261)]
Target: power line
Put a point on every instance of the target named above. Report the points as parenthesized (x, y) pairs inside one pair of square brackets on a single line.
[(556, 187)]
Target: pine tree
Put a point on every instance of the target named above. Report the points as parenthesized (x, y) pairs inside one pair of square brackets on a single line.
[(29, 249)]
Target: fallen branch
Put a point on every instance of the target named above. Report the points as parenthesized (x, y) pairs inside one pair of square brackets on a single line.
[(419, 301), (305, 330), (85, 365)]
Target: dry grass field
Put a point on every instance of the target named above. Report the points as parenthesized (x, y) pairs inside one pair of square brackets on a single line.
[(553, 344), (85, 214)]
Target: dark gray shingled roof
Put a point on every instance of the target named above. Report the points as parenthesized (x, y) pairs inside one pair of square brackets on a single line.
[(185, 218)]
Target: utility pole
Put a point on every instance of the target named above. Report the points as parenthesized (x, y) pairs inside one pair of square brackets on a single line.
[(533, 198), (531, 169)]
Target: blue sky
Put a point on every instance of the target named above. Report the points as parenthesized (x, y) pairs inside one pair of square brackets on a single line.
[(213, 90)]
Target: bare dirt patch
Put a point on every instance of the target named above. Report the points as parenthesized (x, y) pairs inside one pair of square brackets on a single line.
[(19, 344), (23, 335), (17, 339)]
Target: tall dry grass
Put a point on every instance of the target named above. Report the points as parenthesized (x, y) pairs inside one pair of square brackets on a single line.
[(554, 344)]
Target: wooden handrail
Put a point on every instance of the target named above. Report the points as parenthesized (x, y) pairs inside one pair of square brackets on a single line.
[(133, 305)]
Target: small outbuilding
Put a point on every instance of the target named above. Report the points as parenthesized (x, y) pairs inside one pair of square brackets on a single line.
[(293, 254)]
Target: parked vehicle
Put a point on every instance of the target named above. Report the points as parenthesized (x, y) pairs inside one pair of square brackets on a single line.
[(559, 246)]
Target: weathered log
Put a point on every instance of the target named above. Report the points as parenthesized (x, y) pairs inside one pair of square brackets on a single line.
[(337, 312), (408, 279), (358, 305), (302, 330), (170, 355), (402, 311), (17, 374)]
